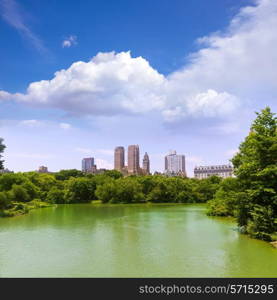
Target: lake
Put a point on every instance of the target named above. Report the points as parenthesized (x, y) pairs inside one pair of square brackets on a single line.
[(129, 241)]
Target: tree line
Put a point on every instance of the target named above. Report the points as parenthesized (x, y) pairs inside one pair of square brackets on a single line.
[(251, 197), (73, 186)]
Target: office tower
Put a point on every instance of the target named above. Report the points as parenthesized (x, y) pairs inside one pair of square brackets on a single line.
[(223, 171), (119, 158), (133, 159), (88, 164), (146, 164), (175, 164)]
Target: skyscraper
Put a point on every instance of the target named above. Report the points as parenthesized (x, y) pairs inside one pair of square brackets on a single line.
[(119, 158), (146, 164), (133, 159), (88, 164), (175, 164)]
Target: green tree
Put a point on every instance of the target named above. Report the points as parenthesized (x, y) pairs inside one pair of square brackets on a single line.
[(148, 182), (122, 190), (9, 179), (127, 190), (80, 190), (261, 224), (225, 198), (256, 169), (163, 191), (113, 174), (19, 194), (2, 148), (4, 200), (206, 188), (243, 208), (66, 174), (56, 195), (106, 191)]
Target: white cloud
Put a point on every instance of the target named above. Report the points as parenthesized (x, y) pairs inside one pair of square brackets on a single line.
[(229, 73), (240, 61), (31, 123), (69, 41), (13, 14), (108, 84), (65, 126), (206, 104), (4, 95)]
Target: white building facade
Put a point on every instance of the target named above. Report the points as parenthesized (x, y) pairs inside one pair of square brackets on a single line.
[(223, 171)]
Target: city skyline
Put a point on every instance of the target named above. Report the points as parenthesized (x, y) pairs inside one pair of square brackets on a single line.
[(190, 83)]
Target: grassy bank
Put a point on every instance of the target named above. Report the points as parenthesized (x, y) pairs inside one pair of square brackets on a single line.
[(19, 208)]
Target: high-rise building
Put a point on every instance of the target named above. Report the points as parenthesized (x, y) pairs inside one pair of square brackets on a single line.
[(223, 171), (133, 159), (88, 164), (175, 164), (119, 158), (146, 164)]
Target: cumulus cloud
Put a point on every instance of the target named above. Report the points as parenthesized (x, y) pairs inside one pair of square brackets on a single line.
[(108, 84), (231, 70), (69, 41), (206, 104), (4, 95), (242, 60)]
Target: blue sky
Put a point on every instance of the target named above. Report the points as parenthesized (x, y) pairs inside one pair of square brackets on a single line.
[(80, 78)]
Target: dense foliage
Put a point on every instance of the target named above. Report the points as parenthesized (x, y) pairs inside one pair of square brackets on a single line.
[(251, 197), (73, 186)]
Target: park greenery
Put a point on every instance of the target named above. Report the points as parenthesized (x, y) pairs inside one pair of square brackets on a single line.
[(20, 192), (250, 197)]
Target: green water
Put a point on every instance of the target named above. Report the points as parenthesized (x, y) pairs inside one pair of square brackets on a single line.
[(129, 241)]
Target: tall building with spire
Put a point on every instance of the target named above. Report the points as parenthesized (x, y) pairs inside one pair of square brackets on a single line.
[(133, 159), (146, 164), (119, 158)]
